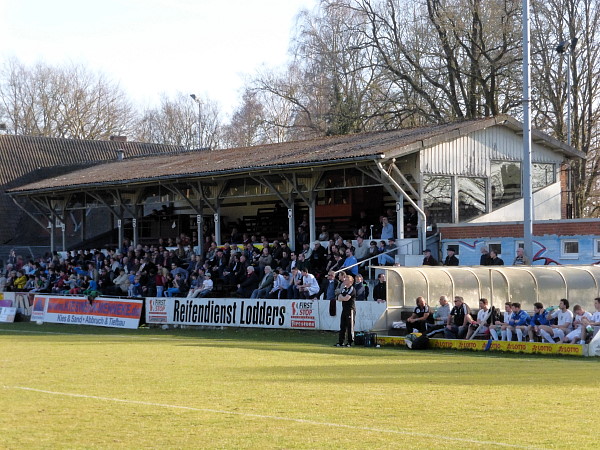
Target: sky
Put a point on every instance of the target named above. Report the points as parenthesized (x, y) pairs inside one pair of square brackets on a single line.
[(155, 47)]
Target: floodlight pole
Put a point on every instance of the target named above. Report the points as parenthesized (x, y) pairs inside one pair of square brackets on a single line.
[(527, 188), (567, 47), (197, 100)]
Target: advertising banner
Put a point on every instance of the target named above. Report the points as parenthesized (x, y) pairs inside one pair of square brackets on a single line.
[(367, 314), (20, 300), (102, 312), (7, 314), (38, 308), (261, 313), (494, 346)]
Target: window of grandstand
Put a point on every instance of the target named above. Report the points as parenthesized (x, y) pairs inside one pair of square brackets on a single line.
[(471, 198), (519, 244), (344, 178), (569, 249), (596, 248), (454, 247), (506, 182), (495, 247), (437, 198), (542, 175)]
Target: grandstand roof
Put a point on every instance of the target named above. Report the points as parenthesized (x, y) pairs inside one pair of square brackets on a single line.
[(364, 146), (28, 159)]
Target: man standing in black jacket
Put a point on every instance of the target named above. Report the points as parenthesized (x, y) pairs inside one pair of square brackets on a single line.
[(348, 298)]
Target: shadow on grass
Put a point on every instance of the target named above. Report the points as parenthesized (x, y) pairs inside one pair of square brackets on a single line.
[(270, 339)]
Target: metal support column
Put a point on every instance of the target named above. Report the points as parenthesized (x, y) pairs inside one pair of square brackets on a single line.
[(400, 217), (120, 231), (199, 232), (134, 224), (312, 223), (52, 246), (64, 237), (527, 186), (292, 225), (217, 219)]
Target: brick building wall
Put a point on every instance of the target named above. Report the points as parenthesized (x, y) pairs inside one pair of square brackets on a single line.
[(515, 229)]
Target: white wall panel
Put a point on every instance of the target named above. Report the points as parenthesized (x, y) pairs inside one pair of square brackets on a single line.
[(471, 155)]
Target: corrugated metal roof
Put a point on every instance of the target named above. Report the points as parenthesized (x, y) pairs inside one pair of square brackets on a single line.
[(312, 152), (20, 155), (28, 159)]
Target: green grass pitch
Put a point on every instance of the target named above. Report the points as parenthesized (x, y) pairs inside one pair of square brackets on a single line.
[(83, 387)]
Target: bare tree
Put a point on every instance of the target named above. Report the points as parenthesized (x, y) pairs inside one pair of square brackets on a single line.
[(556, 21), (65, 102), (244, 127), (457, 56), (181, 121), (331, 85)]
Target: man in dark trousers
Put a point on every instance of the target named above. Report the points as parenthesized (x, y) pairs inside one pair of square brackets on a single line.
[(348, 298), (451, 259), (429, 260)]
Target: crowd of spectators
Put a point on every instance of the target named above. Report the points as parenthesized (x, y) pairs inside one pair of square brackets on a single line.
[(246, 265)]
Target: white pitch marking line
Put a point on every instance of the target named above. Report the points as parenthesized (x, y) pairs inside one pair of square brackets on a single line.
[(262, 416)]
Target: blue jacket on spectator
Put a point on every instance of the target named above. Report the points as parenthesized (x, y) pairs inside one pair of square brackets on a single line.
[(518, 319), (540, 319)]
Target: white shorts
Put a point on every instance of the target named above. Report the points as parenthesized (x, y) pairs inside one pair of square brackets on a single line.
[(558, 333), (575, 334)]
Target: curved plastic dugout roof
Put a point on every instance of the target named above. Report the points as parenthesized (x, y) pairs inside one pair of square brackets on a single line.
[(499, 284)]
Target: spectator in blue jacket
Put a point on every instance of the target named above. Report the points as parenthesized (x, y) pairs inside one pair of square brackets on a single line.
[(351, 261), (540, 317), (519, 320)]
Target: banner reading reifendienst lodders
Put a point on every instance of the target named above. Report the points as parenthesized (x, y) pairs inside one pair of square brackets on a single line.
[(101, 312), (232, 312), (262, 313)]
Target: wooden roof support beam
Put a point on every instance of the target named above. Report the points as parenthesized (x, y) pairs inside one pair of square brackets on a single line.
[(263, 181), (31, 216), (117, 214), (199, 190), (175, 190), (294, 183)]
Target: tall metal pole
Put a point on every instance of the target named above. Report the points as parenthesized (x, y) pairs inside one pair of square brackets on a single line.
[(527, 197), (567, 48), (197, 100), (569, 100)]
